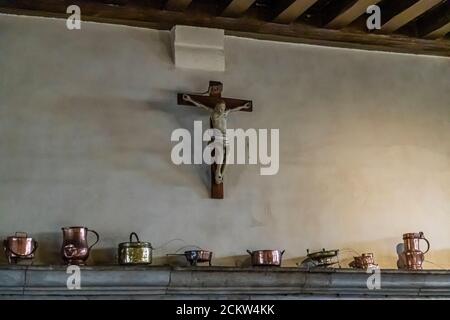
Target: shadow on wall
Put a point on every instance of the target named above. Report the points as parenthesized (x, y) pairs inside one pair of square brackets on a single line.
[(103, 256), (49, 248), (118, 125), (185, 117)]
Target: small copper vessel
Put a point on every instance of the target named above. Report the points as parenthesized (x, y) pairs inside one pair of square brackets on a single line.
[(364, 261), (19, 247), (266, 257), (75, 249), (413, 257)]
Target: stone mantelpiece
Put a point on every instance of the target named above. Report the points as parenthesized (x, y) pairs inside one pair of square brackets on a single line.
[(218, 282)]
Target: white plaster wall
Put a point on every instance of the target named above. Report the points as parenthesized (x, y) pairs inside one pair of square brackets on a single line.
[(85, 124)]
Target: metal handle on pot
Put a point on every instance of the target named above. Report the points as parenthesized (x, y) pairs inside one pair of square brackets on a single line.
[(249, 252), (282, 252), (423, 238), (135, 235), (98, 238)]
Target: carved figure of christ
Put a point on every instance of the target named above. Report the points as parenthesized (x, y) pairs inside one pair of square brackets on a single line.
[(218, 108), (218, 117)]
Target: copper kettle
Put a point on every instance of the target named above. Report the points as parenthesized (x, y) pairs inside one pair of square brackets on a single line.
[(75, 249)]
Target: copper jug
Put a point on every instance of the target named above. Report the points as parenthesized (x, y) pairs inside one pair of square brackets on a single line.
[(75, 249), (412, 255)]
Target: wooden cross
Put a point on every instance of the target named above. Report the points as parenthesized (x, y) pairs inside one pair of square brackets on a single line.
[(210, 99)]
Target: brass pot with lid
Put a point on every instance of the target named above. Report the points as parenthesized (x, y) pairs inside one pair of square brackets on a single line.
[(135, 252)]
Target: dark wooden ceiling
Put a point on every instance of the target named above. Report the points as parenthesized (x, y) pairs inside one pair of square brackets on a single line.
[(411, 26)]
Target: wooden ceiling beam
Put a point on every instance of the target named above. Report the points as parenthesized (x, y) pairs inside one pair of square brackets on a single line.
[(177, 5), (288, 11), (435, 23), (348, 11), (148, 17), (236, 8), (406, 16), (440, 32)]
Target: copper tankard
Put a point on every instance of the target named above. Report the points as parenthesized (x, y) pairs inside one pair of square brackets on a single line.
[(75, 249), (413, 257)]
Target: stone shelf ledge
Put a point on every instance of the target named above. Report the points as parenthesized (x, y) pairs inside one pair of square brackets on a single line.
[(165, 282)]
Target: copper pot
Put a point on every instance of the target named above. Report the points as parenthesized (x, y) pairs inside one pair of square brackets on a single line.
[(266, 257), (75, 249), (19, 246), (195, 256), (363, 261)]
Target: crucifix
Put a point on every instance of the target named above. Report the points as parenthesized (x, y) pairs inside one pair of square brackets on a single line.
[(219, 108)]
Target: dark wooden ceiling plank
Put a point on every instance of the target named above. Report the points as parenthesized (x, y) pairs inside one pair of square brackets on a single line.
[(347, 12), (390, 9), (134, 15), (289, 10), (409, 14), (236, 8), (177, 5), (435, 23)]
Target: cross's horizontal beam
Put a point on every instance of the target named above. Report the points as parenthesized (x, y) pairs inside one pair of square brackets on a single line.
[(231, 103)]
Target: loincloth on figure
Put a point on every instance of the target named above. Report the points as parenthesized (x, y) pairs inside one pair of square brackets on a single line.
[(222, 139)]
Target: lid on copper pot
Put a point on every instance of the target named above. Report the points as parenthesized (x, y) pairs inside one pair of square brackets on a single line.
[(19, 235)]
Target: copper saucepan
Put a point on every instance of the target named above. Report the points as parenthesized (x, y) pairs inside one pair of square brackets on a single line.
[(19, 246), (195, 256), (363, 261), (266, 257)]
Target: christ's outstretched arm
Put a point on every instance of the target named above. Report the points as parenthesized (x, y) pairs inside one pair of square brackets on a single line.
[(188, 98), (248, 105)]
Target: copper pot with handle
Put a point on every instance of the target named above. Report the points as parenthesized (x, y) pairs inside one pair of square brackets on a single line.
[(75, 248), (195, 256), (19, 246), (364, 261), (266, 257)]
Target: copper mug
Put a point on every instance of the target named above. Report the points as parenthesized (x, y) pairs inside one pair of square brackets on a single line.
[(19, 246), (75, 249), (412, 255)]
